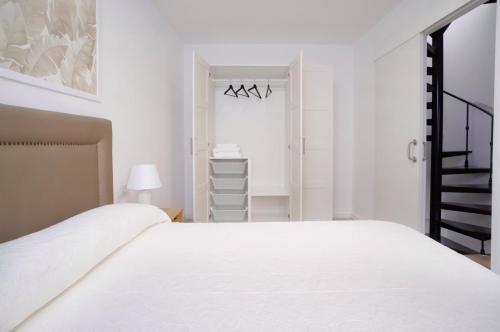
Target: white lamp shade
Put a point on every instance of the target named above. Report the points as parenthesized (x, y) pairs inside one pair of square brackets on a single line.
[(144, 177)]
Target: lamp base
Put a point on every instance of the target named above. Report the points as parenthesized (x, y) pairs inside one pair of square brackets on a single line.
[(144, 197)]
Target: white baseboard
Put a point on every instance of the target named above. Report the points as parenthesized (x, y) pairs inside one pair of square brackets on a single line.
[(344, 216), (337, 216)]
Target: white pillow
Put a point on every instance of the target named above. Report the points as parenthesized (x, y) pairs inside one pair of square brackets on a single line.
[(38, 267)]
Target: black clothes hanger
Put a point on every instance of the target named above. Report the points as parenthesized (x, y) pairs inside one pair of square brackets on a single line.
[(269, 91), (255, 91), (244, 94), (230, 92)]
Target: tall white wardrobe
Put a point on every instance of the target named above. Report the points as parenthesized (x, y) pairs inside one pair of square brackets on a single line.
[(286, 171)]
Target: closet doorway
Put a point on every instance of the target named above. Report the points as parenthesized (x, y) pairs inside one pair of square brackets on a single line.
[(280, 119)]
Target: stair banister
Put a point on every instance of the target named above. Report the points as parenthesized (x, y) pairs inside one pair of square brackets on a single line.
[(488, 113), (485, 111)]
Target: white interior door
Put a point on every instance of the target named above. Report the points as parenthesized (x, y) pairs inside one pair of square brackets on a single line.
[(200, 142), (399, 133), (296, 138), (317, 188)]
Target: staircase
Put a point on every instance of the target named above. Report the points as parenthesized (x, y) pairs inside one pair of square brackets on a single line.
[(474, 177)]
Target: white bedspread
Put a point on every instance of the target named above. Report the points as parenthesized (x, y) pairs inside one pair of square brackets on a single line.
[(335, 276)]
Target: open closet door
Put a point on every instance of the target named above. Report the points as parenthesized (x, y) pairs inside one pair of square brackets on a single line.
[(399, 132), (317, 186), (200, 146), (296, 138)]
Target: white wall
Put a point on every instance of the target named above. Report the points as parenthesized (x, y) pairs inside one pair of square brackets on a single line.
[(259, 127), (401, 24), (469, 58), (340, 57), (141, 71)]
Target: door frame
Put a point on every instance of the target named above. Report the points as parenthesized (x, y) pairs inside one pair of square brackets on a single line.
[(196, 58)]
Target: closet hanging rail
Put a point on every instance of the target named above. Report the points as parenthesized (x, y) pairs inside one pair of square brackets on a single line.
[(251, 80)]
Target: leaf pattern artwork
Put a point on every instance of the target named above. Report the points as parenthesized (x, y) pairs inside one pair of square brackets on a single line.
[(54, 40)]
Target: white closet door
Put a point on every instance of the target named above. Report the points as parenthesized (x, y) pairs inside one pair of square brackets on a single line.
[(399, 123), (318, 140), (296, 138), (201, 104)]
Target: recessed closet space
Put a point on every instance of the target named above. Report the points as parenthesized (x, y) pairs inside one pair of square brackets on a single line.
[(262, 142), (256, 120)]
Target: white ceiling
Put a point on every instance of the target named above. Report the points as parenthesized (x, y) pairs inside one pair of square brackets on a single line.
[(273, 21)]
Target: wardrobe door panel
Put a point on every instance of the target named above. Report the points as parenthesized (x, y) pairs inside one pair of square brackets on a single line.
[(399, 134), (200, 148), (315, 175), (296, 139), (319, 131), (315, 200), (318, 140)]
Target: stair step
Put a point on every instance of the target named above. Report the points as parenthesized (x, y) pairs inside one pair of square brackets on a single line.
[(430, 50), (429, 87), (429, 138), (457, 247), (462, 170), (429, 106), (429, 122), (430, 71), (469, 208), (467, 188), (448, 154), (476, 232)]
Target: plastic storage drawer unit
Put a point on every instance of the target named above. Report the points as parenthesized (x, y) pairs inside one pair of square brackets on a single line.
[(227, 214), (229, 183), (229, 199), (229, 167)]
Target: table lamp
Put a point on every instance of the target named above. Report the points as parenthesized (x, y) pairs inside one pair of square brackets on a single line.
[(144, 178)]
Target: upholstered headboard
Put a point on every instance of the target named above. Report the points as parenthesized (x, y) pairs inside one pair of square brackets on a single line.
[(52, 166)]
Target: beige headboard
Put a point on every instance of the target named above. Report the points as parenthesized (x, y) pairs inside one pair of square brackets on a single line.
[(52, 166)]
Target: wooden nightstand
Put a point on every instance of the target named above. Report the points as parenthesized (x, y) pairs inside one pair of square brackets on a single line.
[(177, 215)]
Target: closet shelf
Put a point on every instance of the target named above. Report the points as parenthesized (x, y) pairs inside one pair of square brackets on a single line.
[(269, 191)]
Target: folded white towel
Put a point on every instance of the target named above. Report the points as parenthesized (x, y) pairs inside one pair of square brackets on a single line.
[(228, 146), (227, 155), (216, 150), (227, 150)]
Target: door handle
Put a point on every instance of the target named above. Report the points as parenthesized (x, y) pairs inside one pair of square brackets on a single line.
[(303, 145), (411, 157)]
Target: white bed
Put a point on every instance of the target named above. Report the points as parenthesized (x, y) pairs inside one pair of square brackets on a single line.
[(323, 276)]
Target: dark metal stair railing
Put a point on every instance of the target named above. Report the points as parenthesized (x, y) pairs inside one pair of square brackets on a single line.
[(467, 127), (437, 74)]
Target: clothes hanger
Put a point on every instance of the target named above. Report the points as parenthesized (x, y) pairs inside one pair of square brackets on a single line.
[(269, 91), (254, 90), (245, 92), (230, 91)]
